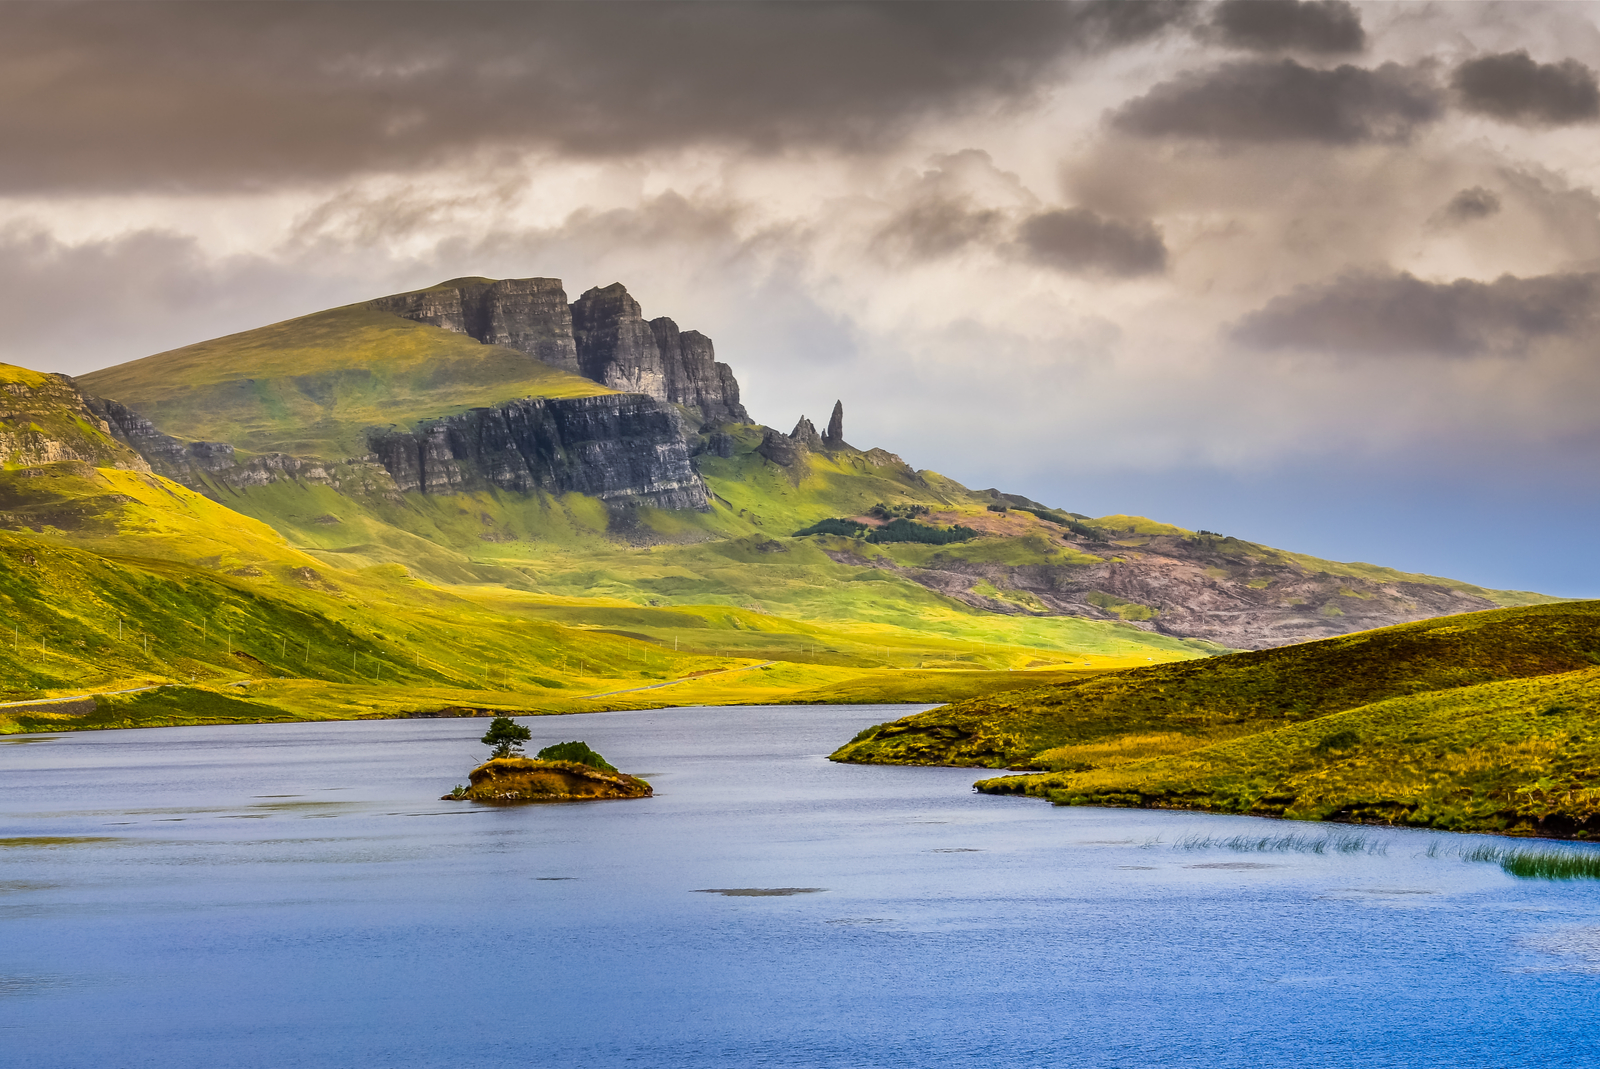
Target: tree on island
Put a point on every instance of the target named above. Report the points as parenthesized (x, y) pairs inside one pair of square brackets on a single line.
[(506, 736)]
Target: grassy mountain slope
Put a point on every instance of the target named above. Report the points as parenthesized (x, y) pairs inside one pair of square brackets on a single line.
[(310, 386), (1467, 722)]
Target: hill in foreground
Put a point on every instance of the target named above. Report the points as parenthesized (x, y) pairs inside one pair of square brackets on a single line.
[(1483, 722)]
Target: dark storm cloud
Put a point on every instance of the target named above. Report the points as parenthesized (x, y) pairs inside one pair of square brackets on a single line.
[(937, 227), (190, 95), (1512, 87), (1081, 241), (1401, 315), (1470, 204), (1326, 27), (1263, 101)]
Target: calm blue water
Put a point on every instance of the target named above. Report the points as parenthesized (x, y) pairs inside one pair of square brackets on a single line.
[(286, 895)]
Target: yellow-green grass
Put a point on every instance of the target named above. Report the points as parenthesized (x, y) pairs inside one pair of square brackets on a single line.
[(565, 548), (117, 511), (311, 386), (1519, 756), (1224, 697)]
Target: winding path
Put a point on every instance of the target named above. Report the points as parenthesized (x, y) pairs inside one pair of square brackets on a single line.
[(673, 682), (80, 697)]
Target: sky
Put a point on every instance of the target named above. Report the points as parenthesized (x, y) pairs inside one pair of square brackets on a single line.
[(1322, 275)]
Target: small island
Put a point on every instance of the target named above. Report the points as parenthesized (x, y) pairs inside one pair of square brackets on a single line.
[(565, 772)]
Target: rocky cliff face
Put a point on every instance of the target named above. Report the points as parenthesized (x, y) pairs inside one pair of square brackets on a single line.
[(202, 465), (616, 347), (602, 336), (620, 448), (693, 376), (529, 315), (45, 419)]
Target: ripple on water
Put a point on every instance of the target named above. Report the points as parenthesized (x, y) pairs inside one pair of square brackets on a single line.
[(758, 892)]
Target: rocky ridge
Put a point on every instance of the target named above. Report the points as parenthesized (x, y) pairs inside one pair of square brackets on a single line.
[(602, 335), (1222, 590)]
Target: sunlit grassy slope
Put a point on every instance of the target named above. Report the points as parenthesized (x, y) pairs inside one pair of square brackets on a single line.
[(311, 386), (1486, 722)]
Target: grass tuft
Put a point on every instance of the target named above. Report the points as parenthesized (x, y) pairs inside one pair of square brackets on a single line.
[(1293, 843), (1537, 863)]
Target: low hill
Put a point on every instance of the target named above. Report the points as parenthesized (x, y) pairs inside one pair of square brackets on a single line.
[(1479, 722)]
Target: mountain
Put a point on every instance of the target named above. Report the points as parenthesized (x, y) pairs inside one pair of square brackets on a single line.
[(1482, 722), (477, 387), (489, 450)]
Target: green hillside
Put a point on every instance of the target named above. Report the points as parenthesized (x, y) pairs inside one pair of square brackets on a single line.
[(311, 386), (1480, 722)]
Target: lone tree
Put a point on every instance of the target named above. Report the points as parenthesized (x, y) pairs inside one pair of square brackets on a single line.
[(506, 736)]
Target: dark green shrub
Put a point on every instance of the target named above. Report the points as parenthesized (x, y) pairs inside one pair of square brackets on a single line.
[(576, 752), (1339, 740), (834, 526), (900, 530)]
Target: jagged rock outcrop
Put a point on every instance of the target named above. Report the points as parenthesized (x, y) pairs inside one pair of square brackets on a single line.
[(782, 449), (616, 347), (805, 433), (602, 336), (790, 450), (45, 419), (693, 376), (530, 315), (834, 438), (621, 448), (164, 454)]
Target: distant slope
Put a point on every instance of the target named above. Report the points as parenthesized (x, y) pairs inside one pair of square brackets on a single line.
[(311, 386)]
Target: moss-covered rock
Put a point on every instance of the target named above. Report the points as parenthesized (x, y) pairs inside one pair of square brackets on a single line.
[(508, 780)]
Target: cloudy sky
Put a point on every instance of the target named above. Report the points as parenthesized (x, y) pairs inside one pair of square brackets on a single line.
[(1323, 275)]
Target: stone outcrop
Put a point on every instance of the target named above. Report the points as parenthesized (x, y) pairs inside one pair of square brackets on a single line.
[(805, 434), (834, 438), (693, 376), (529, 315), (621, 448), (782, 449), (510, 780), (602, 336), (616, 347), (45, 419), (204, 466), (790, 450)]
